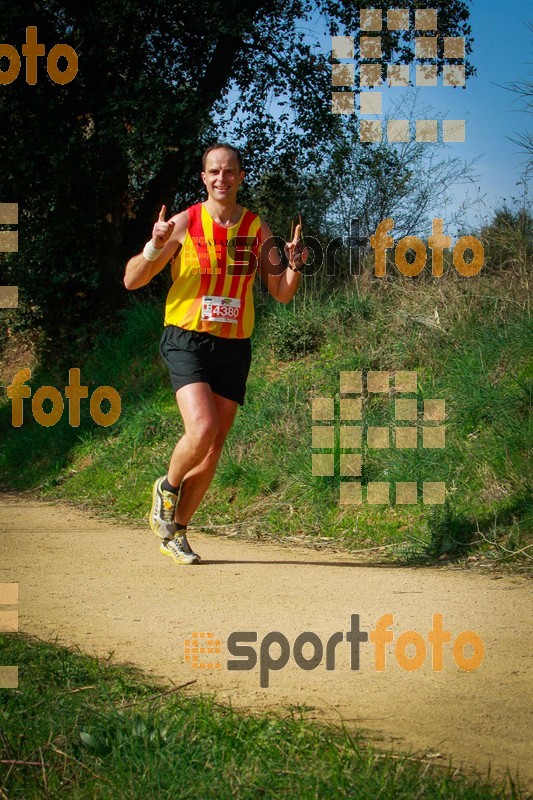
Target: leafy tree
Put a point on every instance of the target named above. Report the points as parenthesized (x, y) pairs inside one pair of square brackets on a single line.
[(406, 181), (90, 162)]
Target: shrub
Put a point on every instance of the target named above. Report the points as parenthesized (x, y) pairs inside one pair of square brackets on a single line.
[(294, 334), (450, 531)]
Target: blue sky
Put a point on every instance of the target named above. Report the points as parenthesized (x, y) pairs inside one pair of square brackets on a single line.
[(502, 53)]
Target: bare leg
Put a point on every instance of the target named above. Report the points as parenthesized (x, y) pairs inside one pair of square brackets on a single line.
[(207, 418)]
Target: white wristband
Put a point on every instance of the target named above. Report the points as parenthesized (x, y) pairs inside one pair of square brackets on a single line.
[(150, 252)]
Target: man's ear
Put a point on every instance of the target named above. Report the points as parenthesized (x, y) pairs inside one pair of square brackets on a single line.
[(202, 175), (241, 176)]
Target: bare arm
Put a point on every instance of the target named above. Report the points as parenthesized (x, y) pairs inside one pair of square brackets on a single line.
[(281, 282), (166, 235)]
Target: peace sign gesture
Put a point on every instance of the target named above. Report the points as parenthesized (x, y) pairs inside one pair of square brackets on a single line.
[(295, 251), (162, 231)]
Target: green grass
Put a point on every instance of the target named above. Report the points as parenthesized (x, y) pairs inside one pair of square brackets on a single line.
[(115, 735), (477, 358), (470, 341)]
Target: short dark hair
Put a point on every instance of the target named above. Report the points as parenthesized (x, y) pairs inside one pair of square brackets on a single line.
[(222, 146)]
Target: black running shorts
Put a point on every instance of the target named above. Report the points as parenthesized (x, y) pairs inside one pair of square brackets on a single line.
[(194, 357)]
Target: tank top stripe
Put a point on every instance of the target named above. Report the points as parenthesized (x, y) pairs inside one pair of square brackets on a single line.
[(206, 266)]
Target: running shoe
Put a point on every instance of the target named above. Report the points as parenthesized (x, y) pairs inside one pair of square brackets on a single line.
[(180, 550), (162, 511)]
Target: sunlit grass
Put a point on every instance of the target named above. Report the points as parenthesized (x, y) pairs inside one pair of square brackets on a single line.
[(114, 735), (469, 340)]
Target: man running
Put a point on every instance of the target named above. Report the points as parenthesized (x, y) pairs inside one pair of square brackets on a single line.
[(215, 248)]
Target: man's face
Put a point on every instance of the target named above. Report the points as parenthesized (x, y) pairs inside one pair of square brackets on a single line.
[(222, 177)]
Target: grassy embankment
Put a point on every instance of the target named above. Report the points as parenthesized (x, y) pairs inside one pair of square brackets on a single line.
[(473, 353), (470, 341), (114, 735)]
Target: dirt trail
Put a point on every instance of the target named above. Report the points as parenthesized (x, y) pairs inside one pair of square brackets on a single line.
[(105, 587)]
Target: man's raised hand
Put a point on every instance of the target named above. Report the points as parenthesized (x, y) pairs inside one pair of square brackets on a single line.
[(295, 251), (162, 231)]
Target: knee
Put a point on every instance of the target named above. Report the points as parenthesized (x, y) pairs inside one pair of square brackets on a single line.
[(216, 446), (202, 435)]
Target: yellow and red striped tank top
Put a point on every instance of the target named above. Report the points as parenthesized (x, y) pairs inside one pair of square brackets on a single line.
[(213, 276)]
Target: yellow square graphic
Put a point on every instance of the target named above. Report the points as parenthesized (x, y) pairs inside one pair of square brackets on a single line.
[(377, 492), (426, 19), (405, 381), (453, 130), (434, 437), (371, 19), (426, 130), (9, 296), (342, 75), (434, 410), (434, 493), (9, 241), (323, 408), (426, 47), (323, 464), (351, 408), (370, 75), (453, 75), (398, 130), (398, 74), (342, 103), (405, 409), (406, 493), (398, 19), (9, 592), (370, 130), (350, 465), (9, 213), (377, 381), (350, 493), (406, 437), (342, 47), (9, 621), (323, 436), (370, 102), (426, 75), (370, 47), (351, 382), (9, 677), (378, 437), (454, 47), (351, 437)]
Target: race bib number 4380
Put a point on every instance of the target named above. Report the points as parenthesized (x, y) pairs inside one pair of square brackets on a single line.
[(221, 309)]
